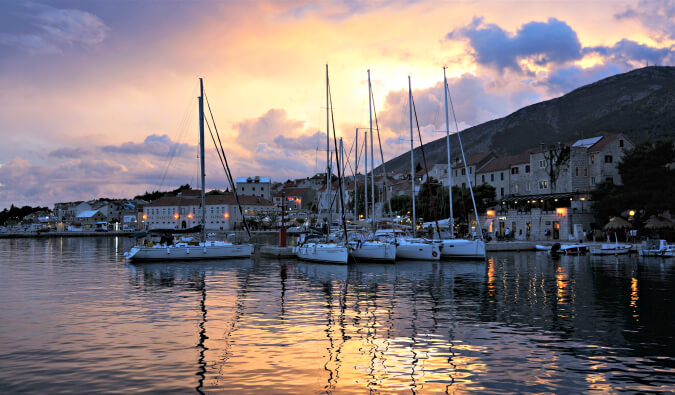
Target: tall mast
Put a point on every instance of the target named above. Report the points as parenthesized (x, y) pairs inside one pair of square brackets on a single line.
[(365, 176), (342, 167), (356, 173), (201, 156), (412, 160), (328, 161), (466, 168), (372, 156), (447, 140)]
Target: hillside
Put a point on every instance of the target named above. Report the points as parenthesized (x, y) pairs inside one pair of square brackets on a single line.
[(639, 104)]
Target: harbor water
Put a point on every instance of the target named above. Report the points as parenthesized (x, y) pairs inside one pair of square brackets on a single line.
[(76, 317)]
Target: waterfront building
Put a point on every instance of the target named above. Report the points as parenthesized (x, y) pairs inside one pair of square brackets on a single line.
[(255, 186), (184, 211), (474, 163), (296, 198), (544, 192), (92, 219)]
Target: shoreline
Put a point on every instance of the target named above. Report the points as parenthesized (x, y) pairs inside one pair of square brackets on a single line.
[(492, 246)]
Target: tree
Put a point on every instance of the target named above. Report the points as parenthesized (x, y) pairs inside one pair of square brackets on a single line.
[(361, 201), (16, 213), (648, 178), (154, 195), (401, 204)]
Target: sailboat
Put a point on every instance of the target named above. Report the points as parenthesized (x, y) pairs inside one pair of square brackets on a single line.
[(313, 249), (188, 251), (408, 247), (458, 248), (363, 248)]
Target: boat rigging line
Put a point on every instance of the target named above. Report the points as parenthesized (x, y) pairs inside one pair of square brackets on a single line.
[(223, 162), (384, 169), (466, 169), (339, 169), (426, 170)]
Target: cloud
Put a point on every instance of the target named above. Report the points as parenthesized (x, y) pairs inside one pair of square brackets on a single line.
[(301, 143), (553, 41), (475, 100), (632, 54), (157, 145), (566, 79), (54, 29), (657, 16), (68, 153), (266, 128)]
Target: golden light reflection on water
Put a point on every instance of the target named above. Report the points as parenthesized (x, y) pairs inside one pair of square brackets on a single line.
[(491, 279), (634, 296), (561, 280), (262, 326)]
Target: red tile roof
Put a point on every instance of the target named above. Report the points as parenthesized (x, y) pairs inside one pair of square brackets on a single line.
[(473, 159), (227, 198), (506, 162)]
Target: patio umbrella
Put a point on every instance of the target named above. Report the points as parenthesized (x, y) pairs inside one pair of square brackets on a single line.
[(617, 223), (656, 222)]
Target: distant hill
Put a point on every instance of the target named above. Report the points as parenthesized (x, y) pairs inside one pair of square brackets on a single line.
[(640, 104)]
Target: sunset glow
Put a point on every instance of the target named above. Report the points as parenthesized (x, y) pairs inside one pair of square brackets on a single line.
[(96, 106)]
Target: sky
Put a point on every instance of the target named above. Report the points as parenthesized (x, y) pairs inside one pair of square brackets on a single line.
[(99, 98)]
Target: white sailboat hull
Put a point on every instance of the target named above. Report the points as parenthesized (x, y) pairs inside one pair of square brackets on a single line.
[(461, 248), (322, 252), (181, 252), (419, 251), (372, 251)]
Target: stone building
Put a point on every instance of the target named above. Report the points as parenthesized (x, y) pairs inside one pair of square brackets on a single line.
[(474, 163), (255, 186), (547, 195), (184, 212)]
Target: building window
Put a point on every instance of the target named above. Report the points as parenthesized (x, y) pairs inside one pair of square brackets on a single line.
[(514, 170), (585, 171), (592, 180), (492, 177), (502, 175), (620, 143), (463, 172), (608, 158), (609, 179), (592, 159), (470, 170), (482, 178), (527, 168), (576, 172), (463, 185), (501, 192), (542, 163), (543, 184), (528, 187)]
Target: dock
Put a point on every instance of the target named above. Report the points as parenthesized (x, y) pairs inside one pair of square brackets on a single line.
[(277, 252)]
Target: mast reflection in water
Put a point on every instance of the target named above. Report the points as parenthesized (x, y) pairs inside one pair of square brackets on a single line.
[(77, 318)]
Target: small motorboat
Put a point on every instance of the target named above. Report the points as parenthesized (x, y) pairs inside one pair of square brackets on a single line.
[(566, 249), (656, 248), (611, 249), (573, 249)]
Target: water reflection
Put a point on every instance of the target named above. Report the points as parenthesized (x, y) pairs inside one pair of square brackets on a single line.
[(515, 323)]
